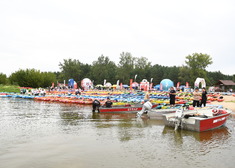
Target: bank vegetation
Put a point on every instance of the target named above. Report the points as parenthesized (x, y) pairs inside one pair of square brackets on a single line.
[(127, 68)]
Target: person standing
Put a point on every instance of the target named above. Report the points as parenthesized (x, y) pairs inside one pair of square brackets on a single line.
[(147, 96), (204, 97), (172, 94), (146, 107), (196, 98)]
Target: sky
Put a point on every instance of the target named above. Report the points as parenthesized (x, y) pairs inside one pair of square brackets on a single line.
[(41, 34)]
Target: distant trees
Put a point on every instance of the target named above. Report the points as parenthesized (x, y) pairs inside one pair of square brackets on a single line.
[(184, 74), (126, 69), (196, 64), (3, 79), (72, 68), (214, 77), (130, 66), (142, 67), (159, 72), (102, 69), (32, 78), (47, 79)]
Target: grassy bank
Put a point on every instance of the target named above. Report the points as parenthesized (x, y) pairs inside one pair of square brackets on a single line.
[(9, 88)]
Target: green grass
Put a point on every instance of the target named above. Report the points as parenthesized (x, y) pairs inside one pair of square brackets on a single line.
[(9, 88)]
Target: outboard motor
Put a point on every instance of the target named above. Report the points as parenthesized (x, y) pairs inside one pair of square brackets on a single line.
[(178, 113), (178, 118), (146, 106)]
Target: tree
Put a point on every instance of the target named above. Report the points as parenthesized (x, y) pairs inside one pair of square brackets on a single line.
[(32, 78), (197, 63), (18, 78), (157, 71), (184, 75), (27, 78), (125, 67), (70, 69), (3, 79), (214, 77), (142, 68), (85, 71), (102, 69), (172, 73), (48, 79)]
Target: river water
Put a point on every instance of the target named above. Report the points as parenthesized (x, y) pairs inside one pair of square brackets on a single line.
[(36, 134)]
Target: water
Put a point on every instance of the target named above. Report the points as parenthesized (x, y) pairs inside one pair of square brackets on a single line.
[(37, 134)]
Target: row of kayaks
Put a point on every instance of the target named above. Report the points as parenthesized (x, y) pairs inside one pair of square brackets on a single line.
[(17, 96), (121, 99), (90, 99), (87, 99)]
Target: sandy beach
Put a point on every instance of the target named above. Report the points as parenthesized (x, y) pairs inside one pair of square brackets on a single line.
[(229, 102)]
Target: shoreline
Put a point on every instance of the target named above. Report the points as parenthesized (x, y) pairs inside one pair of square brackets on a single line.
[(229, 102)]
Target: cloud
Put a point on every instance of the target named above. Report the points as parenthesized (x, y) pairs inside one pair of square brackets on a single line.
[(40, 34)]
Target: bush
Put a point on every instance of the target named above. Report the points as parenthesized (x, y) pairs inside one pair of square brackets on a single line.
[(32, 78), (3, 79)]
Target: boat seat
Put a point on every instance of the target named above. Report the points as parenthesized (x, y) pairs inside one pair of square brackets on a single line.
[(198, 118), (172, 119), (209, 114), (191, 120)]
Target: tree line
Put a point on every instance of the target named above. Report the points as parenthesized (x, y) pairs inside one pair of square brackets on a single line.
[(127, 68)]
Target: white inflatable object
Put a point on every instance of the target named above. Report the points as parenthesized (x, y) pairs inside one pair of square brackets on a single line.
[(198, 81)]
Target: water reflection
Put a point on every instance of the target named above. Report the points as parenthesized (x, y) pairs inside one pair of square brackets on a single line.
[(127, 126), (199, 143), (220, 134), (98, 117)]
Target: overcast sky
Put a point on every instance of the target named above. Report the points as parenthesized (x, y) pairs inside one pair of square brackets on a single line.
[(41, 33)]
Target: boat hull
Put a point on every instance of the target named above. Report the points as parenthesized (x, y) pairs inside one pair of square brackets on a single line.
[(120, 109), (158, 113), (123, 109), (197, 124)]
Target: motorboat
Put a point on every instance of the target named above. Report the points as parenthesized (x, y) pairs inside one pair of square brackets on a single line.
[(197, 120)]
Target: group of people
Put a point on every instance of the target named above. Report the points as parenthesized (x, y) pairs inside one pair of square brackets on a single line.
[(199, 98), (96, 104), (34, 92)]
